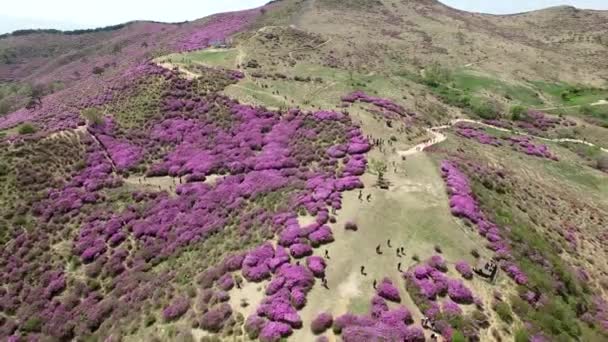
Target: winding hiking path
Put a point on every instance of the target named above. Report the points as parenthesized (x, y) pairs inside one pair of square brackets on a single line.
[(439, 137)]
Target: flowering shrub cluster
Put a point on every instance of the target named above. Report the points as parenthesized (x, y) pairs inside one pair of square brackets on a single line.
[(464, 269), (524, 144), (321, 323), (274, 166), (216, 29), (389, 107), (426, 282), (598, 313), (381, 324), (388, 291), (533, 122), (472, 132), (108, 59), (463, 204)]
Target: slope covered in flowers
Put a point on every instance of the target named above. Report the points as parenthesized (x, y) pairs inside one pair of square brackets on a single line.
[(119, 240)]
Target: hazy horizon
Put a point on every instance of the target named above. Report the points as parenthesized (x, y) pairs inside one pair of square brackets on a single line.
[(71, 14)]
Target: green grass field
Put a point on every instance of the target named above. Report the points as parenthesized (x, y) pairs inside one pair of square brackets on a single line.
[(474, 82)]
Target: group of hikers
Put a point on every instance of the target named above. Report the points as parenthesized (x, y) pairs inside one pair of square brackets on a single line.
[(367, 198), (400, 252)]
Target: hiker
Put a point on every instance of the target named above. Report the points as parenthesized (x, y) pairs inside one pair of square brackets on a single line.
[(375, 284), (327, 254), (378, 251), (388, 243), (360, 195), (363, 270), (399, 267), (369, 197), (324, 283), (403, 250)]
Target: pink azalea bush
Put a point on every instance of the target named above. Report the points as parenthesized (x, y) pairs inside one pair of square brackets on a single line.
[(321, 323), (464, 204), (385, 104), (176, 309), (316, 265), (388, 291), (464, 269)]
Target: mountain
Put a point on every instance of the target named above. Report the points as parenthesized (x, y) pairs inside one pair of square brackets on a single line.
[(308, 170), (9, 24)]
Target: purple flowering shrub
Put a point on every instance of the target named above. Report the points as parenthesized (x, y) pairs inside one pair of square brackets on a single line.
[(176, 309), (316, 265), (388, 291), (217, 29), (351, 226), (463, 204), (321, 323), (425, 284), (271, 171), (214, 319), (533, 122), (388, 107), (526, 145), (522, 144), (464, 269), (477, 133), (459, 293), (382, 323)]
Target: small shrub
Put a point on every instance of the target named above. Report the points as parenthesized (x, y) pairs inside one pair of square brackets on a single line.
[(602, 162), (27, 129), (521, 335), (458, 337), (517, 113), (321, 323), (98, 70), (504, 312), (93, 115), (486, 110)]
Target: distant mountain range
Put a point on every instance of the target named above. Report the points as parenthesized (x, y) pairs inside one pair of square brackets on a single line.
[(9, 24)]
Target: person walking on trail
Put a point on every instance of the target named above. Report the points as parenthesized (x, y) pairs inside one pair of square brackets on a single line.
[(360, 195), (399, 267), (388, 243), (398, 252), (327, 254), (375, 284), (363, 270), (324, 283), (369, 197), (378, 251)]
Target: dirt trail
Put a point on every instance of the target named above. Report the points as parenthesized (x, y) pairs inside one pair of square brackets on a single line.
[(413, 213), (438, 137)]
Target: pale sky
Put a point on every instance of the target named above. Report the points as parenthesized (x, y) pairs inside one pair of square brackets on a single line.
[(74, 14)]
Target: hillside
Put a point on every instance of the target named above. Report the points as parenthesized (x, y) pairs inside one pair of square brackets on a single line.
[(311, 170)]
